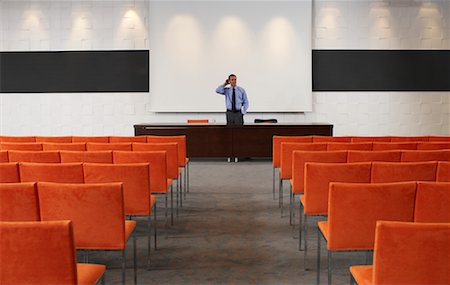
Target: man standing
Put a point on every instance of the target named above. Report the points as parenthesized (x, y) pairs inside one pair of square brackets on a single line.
[(235, 100)]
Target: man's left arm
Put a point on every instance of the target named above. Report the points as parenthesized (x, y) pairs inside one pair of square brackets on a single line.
[(244, 102)]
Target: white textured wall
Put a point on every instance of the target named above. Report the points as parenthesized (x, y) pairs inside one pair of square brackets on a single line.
[(358, 24)]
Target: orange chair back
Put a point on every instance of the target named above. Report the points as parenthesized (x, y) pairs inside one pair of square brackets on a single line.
[(96, 211), (322, 139), (9, 173), (51, 172), (368, 156), (411, 253), (181, 140), (371, 139), (4, 156), (432, 202), (403, 171), (94, 139), (349, 146), (108, 146), (394, 146), (409, 138), (425, 155), (126, 139), (21, 146), (433, 145), (276, 146), (354, 209), (157, 162), (287, 149), (34, 156), (55, 139), (136, 183), (17, 139), (319, 175), (37, 253), (302, 157), (443, 171), (190, 121), (19, 202), (103, 156), (171, 150), (64, 146), (439, 138)]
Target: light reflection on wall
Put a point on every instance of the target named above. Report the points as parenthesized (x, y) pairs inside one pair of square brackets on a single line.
[(278, 39)]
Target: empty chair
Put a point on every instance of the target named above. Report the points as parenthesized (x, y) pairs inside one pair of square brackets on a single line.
[(51, 172), (97, 213), (354, 209), (196, 121), (393, 146), (94, 139), (408, 253), (371, 139), (127, 139), (108, 146), (403, 171), (270, 121), (322, 139), (54, 139), (433, 145), (438, 138), (3, 156), (425, 155), (34, 156), (21, 146), (380, 155), (9, 173), (19, 202), (17, 139), (443, 171), (432, 202), (43, 253), (409, 138), (101, 156), (349, 146), (64, 146)]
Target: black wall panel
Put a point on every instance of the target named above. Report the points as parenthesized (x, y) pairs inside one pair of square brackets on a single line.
[(381, 70), (74, 71)]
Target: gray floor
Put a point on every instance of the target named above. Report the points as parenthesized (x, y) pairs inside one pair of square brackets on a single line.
[(229, 231)]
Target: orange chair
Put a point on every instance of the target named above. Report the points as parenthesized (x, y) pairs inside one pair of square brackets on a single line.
[(9, 173), (21, 146), (102, 156), (17, 139), (191, 121), (438, 138), (94, 139), (394, 146), (407, 253), (433, 145), (323, 139), (19, 202), (349, 146), (371, 139), (136, 188), (34, 156), (432, 202), (314, 202), (443, 171), (354, 209), (126, 139), (409, 138), (64, 146), (51, 172), (96, 211), (55, 139), (403, 171), (381, 155), (43, 253), (3, 156), (425, 155), (108, 146)]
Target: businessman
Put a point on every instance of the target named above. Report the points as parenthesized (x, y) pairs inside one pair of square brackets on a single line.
[(235, 100)]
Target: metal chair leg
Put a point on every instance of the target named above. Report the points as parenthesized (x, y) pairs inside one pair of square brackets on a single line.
[(280, 196), (300, 226), (318, 255), (134, 259), (291, 200), (155, 230), (171, 204), (123, 266), (330, 267), (149, 240), (305, 232), (273, 182), (187, 177)]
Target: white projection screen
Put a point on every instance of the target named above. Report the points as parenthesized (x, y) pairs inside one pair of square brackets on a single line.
[(195, 45)]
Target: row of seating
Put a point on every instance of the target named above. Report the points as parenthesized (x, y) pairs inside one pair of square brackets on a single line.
[(81, 139), (354, 209)]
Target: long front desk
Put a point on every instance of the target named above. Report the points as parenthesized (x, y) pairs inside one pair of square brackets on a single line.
[(221, 140)]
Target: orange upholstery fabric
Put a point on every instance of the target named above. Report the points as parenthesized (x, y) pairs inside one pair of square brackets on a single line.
[(287, 150), (89, 273), (198, 121), (101, 156), (319, 175), (64, 146), (9, 173), (403, 171), (181, 140), (171, 150), (433, 145), (34, 156), (443, 172), (51, 172), (393, 146), (17, 139), (19, 202), (363, 274), (301, 157), (354, 209), (55, 139), (411, 253), (96, 211), (438, 138), (432, 202), (4, 156), (409, 138), (321, 139), (108, 146), (349, 146), (276, 146), (127, 139), (371, 139), (425, 155), (21, 146), (136, 183), (381, 155), (157, 162), (94, 139)]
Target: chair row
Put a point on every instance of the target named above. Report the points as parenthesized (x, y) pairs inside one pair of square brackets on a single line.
[(354, 209), (83, 139), (97, 212)]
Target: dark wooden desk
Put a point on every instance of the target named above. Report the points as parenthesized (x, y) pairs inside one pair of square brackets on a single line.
[(221, 140)]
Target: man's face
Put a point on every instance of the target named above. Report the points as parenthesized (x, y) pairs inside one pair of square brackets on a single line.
[(232, 80)]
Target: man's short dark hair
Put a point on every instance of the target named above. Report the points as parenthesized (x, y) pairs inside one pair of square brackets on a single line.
[(231, 75)]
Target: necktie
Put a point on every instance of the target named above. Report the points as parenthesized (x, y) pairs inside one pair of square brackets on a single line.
[(233, 101)]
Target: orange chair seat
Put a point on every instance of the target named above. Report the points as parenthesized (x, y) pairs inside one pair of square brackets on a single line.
[(302, 200), (169, 182), (363, 274), (88, 274), (323, 227), (152, 200), (129, 227)]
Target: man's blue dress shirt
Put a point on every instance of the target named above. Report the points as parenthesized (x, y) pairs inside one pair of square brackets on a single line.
[(241, 97)]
